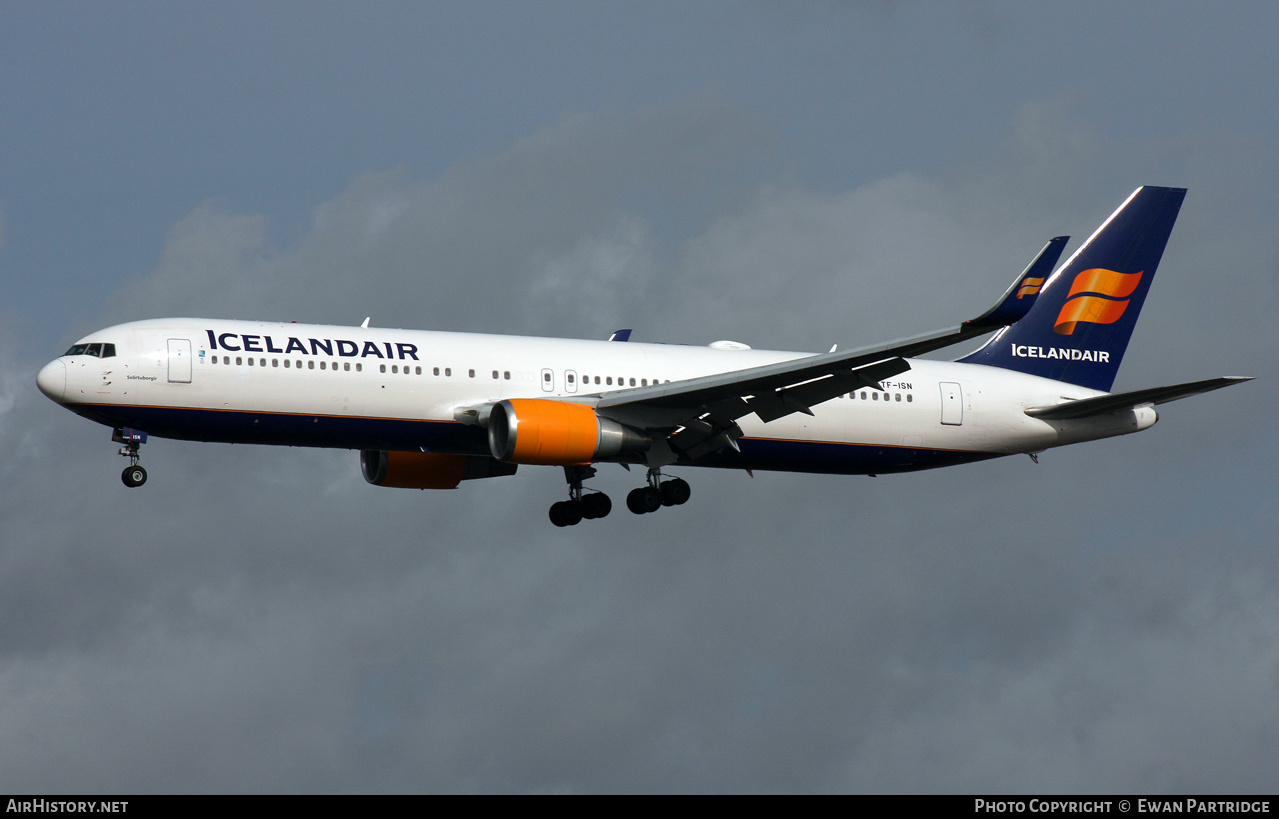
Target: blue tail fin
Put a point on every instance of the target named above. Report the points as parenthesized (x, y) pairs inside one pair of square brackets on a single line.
[(1080, 324)]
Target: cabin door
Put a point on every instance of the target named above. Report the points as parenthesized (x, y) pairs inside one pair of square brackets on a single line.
[(179, 361), (952, 404)]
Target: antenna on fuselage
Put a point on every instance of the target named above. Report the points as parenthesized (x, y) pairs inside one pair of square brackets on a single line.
[(365, 325)]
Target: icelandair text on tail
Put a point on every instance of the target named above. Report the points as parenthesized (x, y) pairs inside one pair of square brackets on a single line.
[(1067, 353), (61, 806), (1122, 806)]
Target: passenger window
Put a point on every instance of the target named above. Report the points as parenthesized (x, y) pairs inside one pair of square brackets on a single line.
[(448, 371), (909, 397), (286, 363), (632, 382), (395, 368), (310, 365), (275, 362), (359, 368), (506, 375), (570, 378), (609, 380), (417, 370), (897, 397), (470, 373), (382, 368), (597, 379), (546, 377), (346, 366), (435, 370), (495, 375), (262, 362)]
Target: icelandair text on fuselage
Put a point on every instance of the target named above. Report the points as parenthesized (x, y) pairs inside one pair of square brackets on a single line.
[(1123, 806), (61, 806), (236, 342), (1026, 351)]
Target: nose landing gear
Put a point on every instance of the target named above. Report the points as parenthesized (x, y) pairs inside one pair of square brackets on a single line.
[(134, 475)]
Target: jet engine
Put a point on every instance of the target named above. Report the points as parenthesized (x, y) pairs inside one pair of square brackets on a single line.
[(538, 431), (427, 470)]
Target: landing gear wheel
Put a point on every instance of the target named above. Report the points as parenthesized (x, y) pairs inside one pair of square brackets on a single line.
[(596, 505), (566, 513), (134, 476), (644, 500), (675, 492)]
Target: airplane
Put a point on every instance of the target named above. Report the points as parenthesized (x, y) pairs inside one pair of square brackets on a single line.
[(428, 410)]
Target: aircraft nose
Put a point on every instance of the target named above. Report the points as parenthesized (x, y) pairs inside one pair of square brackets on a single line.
[(52, 380)]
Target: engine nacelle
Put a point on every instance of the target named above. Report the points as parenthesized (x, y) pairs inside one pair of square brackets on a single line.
[(538, 431), (427, 470)]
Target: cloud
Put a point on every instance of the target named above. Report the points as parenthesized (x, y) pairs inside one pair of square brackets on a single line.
[(260, 619), (487, 245)]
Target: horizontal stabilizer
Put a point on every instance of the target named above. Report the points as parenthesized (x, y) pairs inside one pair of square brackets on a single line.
[(1127, 400)]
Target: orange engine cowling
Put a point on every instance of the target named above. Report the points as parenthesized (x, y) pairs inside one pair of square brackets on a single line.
[(427, 470), (539, 431)]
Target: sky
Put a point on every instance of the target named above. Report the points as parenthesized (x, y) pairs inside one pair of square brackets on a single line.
[(788, 175)]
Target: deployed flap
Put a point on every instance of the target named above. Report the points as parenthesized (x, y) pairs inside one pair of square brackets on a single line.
[(1127, 400), (776, 404)]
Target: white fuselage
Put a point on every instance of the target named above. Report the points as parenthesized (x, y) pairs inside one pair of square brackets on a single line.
[(370, 388)]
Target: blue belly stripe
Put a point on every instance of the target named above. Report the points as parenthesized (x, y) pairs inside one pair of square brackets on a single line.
[(405, 434)]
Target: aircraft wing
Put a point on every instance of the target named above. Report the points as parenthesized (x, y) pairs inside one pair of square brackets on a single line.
[(1102, 404), (699, 415)]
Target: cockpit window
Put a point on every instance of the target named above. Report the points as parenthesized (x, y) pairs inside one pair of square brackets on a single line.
[(98, 350)]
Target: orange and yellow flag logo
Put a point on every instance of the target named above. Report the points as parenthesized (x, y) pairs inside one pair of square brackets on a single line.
[(1097, 296), (1029, 286)]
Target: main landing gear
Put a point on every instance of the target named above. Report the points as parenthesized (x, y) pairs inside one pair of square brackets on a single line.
[(658, 493), (580, 506), (133, 475), (589, 505)]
